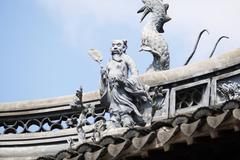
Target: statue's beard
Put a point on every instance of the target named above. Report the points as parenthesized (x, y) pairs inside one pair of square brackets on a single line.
[(116, 55)]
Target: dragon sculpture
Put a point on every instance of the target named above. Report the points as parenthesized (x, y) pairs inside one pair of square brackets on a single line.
[(152, 40)]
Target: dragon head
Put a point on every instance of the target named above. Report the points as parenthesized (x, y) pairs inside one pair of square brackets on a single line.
[(158, 10)]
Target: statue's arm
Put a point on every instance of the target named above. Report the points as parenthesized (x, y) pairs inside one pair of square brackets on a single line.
[(103, 80), (131, 65)]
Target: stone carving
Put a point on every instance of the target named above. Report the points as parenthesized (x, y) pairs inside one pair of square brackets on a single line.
[(77, 99), (158, 97), (99, 127), (158, 101), (152, 40), (85, 110), (129, 102), (79, 124), (228, 90), (125, 97), (33, 125)]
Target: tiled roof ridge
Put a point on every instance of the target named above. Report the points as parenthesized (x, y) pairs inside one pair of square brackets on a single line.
[(206, 121)]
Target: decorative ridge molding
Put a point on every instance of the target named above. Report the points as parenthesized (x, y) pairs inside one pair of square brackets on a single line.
[(47, 103), (223, 61)]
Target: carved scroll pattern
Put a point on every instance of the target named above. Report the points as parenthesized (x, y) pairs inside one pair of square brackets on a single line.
[(40, 124), (228, 90), (35, 125)]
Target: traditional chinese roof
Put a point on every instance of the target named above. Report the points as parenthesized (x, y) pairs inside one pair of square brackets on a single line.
[(199, 101), (161, 135)]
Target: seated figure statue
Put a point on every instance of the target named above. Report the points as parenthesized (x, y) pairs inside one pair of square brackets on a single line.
[(129, 102)]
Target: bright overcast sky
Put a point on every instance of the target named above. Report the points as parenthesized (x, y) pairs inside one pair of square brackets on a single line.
[(44, 43)]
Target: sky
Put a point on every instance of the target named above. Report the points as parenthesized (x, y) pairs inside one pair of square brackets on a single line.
[(44, 43)]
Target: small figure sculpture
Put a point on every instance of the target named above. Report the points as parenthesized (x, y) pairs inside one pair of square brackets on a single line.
[(77, 99), (130, 103), (82, 120), (152, 40), (158, 98), (99, 127), (86, 111)]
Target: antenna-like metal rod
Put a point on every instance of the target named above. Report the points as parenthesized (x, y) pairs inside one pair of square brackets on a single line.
[(196, 45), (217, 45)]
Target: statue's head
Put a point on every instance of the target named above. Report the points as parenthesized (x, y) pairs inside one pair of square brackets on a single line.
[(118, 48)]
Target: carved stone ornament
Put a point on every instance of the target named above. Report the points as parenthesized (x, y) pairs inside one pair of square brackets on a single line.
[(80, 122), (125, 98), (152, 40), (129, 102), (77, 99), (229, 90)]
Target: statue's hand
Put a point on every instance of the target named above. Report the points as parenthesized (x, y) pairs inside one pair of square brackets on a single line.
[(103, 73)]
